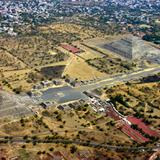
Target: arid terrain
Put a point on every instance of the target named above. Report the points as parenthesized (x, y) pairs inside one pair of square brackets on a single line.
[(67, 90)]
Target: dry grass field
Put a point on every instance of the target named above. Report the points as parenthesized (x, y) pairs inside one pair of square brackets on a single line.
[(36, 50), (22, 57), (82, 124), (9, 62), (77, 68), (46, 151), (19, 79), (31, 50), (81, 31), (142, 99), (112, 66)]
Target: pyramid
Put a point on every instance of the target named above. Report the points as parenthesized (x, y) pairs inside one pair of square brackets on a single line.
[(132, 47)]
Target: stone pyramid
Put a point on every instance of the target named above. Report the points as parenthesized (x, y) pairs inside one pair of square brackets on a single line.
[(132, 47)]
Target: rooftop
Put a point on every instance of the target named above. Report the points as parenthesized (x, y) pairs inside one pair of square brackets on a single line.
[(70, 48), (142, 126)]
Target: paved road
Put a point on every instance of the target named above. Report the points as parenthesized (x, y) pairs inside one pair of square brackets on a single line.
[(118, 79), (67, 94)]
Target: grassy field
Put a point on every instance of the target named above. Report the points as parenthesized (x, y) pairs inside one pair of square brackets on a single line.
[(82, 124), (22, 57), (72, 125), (77, 68), (81, 31), (141, 99)]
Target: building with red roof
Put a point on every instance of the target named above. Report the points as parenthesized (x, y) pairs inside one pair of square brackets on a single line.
[(126, 128), (71, 48), (140, 124), (133, 134)]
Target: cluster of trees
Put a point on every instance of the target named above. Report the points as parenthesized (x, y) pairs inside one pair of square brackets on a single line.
[(154, 35), (120, 99)]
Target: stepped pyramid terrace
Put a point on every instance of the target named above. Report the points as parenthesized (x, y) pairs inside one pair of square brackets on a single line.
[(132, 47)]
